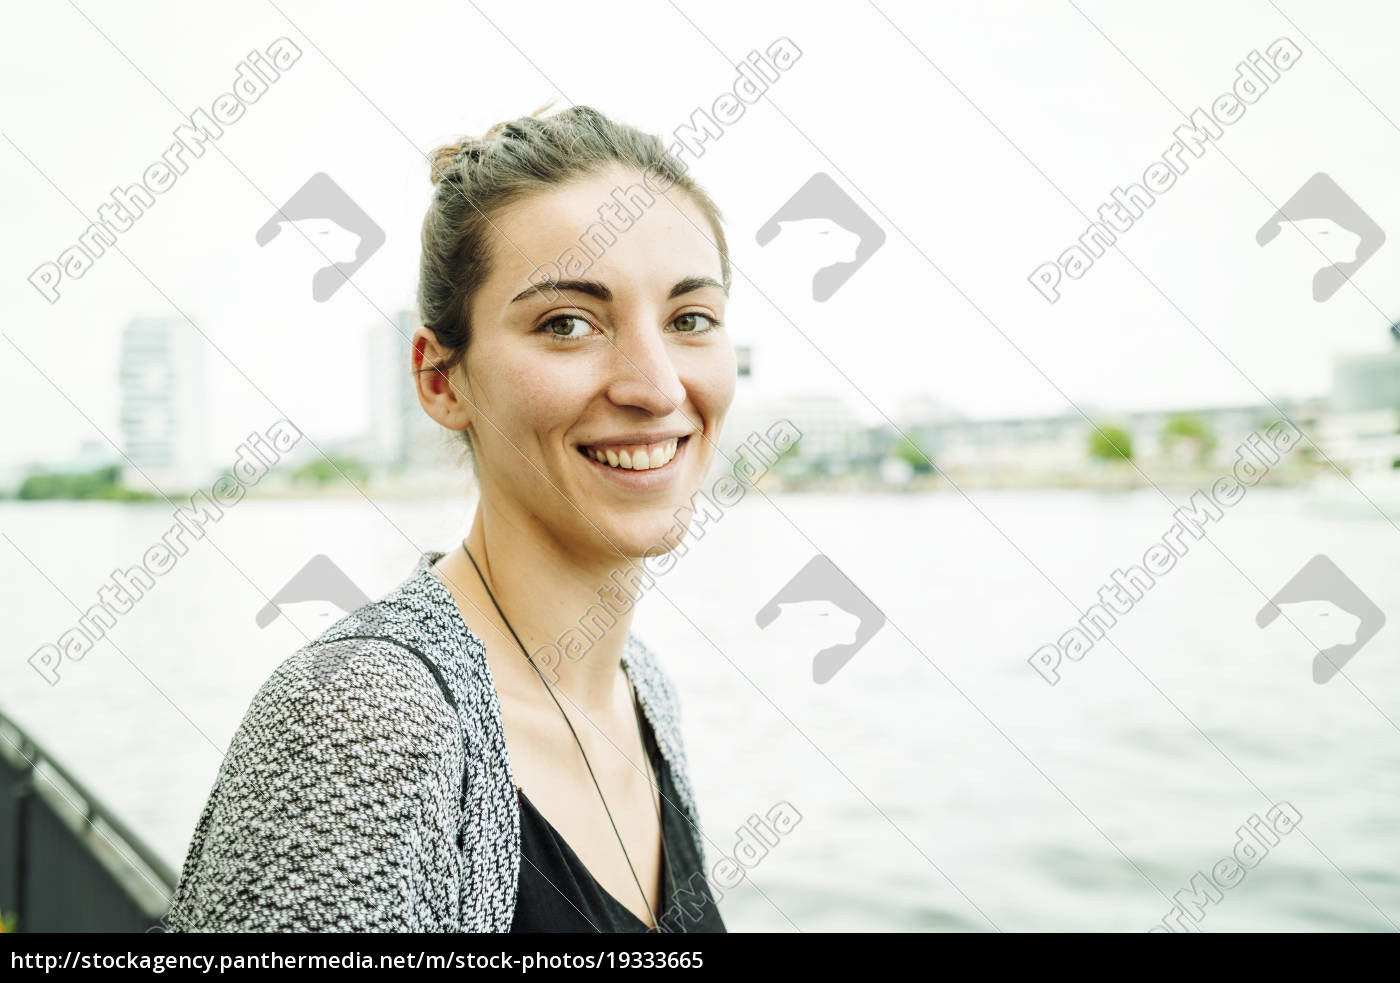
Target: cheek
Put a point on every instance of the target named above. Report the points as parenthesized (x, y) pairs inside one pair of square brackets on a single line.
[(715, 381), (538, 398)]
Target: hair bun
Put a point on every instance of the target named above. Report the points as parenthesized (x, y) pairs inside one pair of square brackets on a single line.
[(446, 157), (449, 155)]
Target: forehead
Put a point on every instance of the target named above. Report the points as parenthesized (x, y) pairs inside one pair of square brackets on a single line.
[(561, 232)]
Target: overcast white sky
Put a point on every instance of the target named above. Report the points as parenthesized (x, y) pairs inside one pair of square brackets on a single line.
[(1191, 312)]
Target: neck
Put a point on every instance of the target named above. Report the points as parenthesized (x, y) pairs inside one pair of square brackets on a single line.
[(557, 602)]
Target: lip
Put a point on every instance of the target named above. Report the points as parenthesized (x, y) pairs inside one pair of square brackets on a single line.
[(629, 439), (649, 480)]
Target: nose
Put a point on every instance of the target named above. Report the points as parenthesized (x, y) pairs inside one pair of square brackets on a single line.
[(643, 372)]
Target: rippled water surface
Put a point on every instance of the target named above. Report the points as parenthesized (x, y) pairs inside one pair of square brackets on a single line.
[(940, 781)]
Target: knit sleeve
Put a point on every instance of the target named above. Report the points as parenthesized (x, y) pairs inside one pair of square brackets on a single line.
[(336, 806)]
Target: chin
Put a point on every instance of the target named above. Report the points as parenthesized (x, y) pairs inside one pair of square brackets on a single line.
[(647, 533)]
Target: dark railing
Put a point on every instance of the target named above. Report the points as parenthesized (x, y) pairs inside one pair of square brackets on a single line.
[(67, 864)]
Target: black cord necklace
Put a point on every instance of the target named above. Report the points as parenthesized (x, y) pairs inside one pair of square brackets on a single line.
[(636, 708)]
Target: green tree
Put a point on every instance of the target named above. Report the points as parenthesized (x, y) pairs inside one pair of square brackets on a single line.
[(1109, 442), (1395, 464), (101, 484), (910, 451), (324, 470), (787, 458), (1191, 431)]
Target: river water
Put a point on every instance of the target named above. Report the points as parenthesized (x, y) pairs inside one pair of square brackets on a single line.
[(941, 782)]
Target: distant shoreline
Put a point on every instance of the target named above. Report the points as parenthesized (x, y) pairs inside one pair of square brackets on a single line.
[(1107, 479)]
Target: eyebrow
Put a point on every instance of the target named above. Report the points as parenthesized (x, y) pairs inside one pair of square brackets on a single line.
[(595, 289)]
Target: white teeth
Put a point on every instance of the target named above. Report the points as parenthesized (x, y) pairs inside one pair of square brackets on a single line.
[(640, 459)]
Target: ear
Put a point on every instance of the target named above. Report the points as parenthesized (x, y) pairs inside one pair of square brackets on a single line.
[(443, 395)]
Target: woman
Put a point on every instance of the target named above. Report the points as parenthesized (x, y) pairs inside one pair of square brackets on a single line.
[(488, 747)]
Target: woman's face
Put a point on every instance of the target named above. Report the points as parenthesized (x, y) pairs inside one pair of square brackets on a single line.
[(624, 358)]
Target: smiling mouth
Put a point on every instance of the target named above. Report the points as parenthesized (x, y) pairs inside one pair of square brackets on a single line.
[(636, 457)]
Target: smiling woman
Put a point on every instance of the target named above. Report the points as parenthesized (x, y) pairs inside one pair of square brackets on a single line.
[(391, 794)]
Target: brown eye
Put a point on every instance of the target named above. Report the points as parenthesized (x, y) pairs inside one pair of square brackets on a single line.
[(694, 323), (568, 323)]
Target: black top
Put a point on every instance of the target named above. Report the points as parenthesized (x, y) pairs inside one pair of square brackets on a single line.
[(556, 893)]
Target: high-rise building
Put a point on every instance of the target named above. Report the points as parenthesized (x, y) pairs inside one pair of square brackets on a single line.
[(1365, 382), (829, 424), (390, 391), (401, 436), (163, 414), (1361, 431), (744, 415)]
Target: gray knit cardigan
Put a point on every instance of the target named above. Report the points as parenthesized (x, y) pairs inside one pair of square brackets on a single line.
[(355, 797)]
